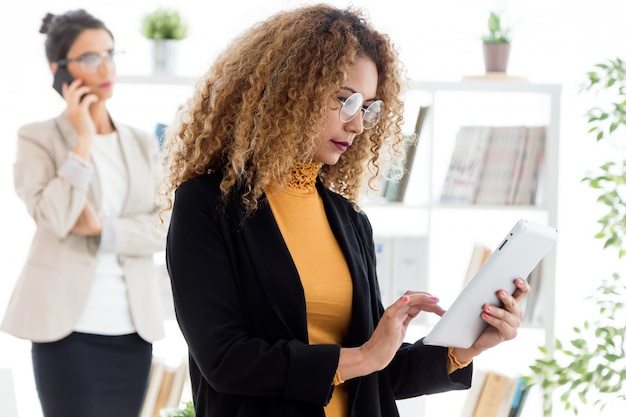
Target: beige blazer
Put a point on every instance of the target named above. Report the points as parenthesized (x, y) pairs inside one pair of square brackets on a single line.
[(54, 283)]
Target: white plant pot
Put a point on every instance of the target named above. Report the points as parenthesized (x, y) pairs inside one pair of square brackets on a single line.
[(165, 56)]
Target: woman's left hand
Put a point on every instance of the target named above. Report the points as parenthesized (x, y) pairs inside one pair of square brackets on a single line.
[(503, 322)]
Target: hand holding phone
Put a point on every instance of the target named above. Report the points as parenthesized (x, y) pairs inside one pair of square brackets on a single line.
[(60, 77)]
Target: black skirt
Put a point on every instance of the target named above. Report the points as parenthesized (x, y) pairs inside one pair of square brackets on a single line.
[(87, 375)]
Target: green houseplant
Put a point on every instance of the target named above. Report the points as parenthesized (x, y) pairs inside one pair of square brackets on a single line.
[(186, 411), (496, 44), (165, 28), (163, 24), (496, 32), (589, 371)]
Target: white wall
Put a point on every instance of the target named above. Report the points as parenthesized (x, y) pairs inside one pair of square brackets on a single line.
[(554, 41)]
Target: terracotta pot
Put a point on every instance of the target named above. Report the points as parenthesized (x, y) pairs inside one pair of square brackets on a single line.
[(496, 56)]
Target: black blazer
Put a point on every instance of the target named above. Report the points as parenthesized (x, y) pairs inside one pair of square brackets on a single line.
[(240, 306)]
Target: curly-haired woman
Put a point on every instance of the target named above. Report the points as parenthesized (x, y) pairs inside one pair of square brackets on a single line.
[(87, 296), (271, 261)]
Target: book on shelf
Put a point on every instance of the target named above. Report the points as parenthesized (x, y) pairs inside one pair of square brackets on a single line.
[(466, 164), (473, 392), (494, 395), (495, 165), (502, 163), (531, 167), (178, 384), (519, 398), (165, 386), (155, 377), (480, 253), (395, 190), (164, 390), (530, 304)]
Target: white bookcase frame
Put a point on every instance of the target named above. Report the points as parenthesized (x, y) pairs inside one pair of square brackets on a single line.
[(416, 218), (391, 220)]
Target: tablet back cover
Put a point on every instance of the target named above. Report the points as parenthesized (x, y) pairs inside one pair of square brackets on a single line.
[(515, 257)]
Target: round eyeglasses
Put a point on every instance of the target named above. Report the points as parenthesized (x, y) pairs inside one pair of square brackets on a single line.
[(351, 106), (90, 62)]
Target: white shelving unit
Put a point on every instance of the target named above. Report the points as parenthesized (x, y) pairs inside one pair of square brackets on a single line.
[(450, 230)]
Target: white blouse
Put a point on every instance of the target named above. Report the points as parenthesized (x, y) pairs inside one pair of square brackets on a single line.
[(107, 310)]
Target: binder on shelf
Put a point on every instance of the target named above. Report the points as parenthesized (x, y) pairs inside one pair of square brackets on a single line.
[(409, 265), (384, 267), (401, 265)]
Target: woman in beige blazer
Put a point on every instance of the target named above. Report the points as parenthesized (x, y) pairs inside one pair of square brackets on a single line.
[(87, 297)]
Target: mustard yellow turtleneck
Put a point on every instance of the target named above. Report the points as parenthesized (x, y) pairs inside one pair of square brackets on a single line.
[(323, 271)]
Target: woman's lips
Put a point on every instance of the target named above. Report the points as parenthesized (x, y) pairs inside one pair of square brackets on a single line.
[(342, 146)]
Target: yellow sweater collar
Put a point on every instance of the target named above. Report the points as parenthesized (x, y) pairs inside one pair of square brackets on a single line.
[(303, 176)]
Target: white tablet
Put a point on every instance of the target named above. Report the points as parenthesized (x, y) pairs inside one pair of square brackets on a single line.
[(516, 256)]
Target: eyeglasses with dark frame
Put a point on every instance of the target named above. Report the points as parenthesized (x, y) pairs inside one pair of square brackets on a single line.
[(91, 61), (350, 107)]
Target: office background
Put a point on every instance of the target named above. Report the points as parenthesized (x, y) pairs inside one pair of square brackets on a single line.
[(554, 41)]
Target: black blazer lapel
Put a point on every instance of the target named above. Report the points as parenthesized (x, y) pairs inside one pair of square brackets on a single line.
[(276, 270), (343, 221)]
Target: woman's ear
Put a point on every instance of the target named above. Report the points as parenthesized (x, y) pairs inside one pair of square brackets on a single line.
[(53, 67)]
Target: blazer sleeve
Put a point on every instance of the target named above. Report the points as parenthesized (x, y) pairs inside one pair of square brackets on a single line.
[(420, 369), (207, 288), (53, 196)]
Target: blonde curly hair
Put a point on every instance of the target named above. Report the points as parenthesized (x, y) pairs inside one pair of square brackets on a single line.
[(257, 111)]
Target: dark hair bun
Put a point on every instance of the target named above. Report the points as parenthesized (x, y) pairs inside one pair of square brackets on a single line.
[(45, 23)]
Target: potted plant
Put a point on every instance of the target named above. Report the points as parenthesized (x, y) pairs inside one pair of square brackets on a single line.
[(496, 44), (589, 371), (165, 28)]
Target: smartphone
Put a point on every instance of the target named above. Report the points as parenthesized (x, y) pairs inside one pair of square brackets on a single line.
[(60, 77)]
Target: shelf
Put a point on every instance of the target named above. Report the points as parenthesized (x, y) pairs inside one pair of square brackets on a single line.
[(394, 205), (485, 85), (165, 79)]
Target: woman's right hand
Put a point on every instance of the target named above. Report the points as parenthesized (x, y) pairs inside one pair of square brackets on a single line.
[(78, 114), (389, 334), (88, 223)]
